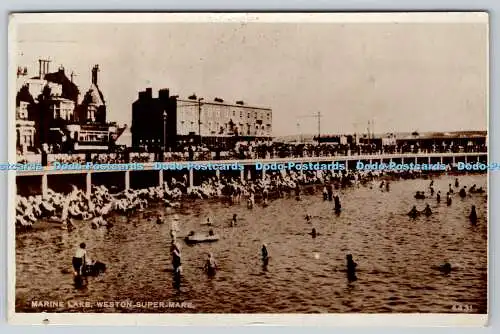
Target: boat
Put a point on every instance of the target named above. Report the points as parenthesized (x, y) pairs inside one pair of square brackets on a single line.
[(199, 238)]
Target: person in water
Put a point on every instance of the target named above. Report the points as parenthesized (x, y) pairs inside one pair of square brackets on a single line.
[(337, 206), (462, 193), (438, 196), (265, 255), (351, 268), (210, 265), (448, 199), (208, 222), (444, 268), (234, 220), (265, 195), (427, 210), (387, 187), (314, 233), (325, 193), (456, 183), (413, 212), (450, 189), (473, 215), (79, 259), (308, 218), (330, 192), (176, 257)]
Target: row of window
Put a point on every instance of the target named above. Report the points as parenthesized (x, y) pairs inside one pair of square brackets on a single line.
[(193, 113)]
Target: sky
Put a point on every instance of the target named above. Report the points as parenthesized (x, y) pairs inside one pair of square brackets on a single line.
[(401, 76)]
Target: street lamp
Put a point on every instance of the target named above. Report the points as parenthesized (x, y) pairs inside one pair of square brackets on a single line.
[(164, 130), (199, 117)]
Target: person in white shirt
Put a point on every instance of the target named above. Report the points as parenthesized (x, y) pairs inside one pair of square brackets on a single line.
[(79, 259)]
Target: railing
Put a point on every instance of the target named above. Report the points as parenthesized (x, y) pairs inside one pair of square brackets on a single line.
[(226, 155)]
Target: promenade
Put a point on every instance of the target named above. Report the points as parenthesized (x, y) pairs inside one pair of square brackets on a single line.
[(349, 162)]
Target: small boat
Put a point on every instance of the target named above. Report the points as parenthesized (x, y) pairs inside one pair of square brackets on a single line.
[(198, 238)]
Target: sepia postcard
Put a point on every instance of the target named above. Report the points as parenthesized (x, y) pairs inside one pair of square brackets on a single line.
[(243, 168)]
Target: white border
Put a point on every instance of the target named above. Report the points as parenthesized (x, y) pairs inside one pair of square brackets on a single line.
[(420, 17), (410, 319)]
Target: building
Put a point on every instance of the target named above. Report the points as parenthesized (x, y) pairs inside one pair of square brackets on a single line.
[(153, 121), (176, 121), (48, 113), (218, 119), (25, 126)]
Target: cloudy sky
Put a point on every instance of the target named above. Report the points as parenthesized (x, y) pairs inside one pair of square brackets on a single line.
[(403, 76)]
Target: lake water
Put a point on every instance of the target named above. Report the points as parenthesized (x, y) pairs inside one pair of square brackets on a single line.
[(305, 275)]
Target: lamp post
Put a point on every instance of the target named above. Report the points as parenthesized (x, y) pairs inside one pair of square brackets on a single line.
[(199, 117), (164, 131)]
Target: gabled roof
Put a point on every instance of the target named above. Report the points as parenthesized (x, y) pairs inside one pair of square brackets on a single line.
[(69, 89), (94, 96)]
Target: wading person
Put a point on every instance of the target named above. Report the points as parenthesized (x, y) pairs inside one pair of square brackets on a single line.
[(176, 257), (427, 210), (265, 255), (210, 265), (351, 268), (462, 193), (413, 212), (337, 206), (473, 215), (79, 259)]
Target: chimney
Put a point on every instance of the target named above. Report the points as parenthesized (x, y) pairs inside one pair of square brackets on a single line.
[(95, 69), (164, 94), (149, 93), (43, 67)]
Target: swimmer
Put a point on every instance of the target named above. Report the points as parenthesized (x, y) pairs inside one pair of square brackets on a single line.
[(413, 212), (473, 215), (444, 268), (427, 211), (462, 193)]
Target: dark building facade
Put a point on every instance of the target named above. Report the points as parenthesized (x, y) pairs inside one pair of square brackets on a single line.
[(178, 121), (153, 121)]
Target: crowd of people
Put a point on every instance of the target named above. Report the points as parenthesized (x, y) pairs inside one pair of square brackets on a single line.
[(256, 150)]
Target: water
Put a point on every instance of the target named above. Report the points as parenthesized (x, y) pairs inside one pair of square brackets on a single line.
[(394, 256)]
